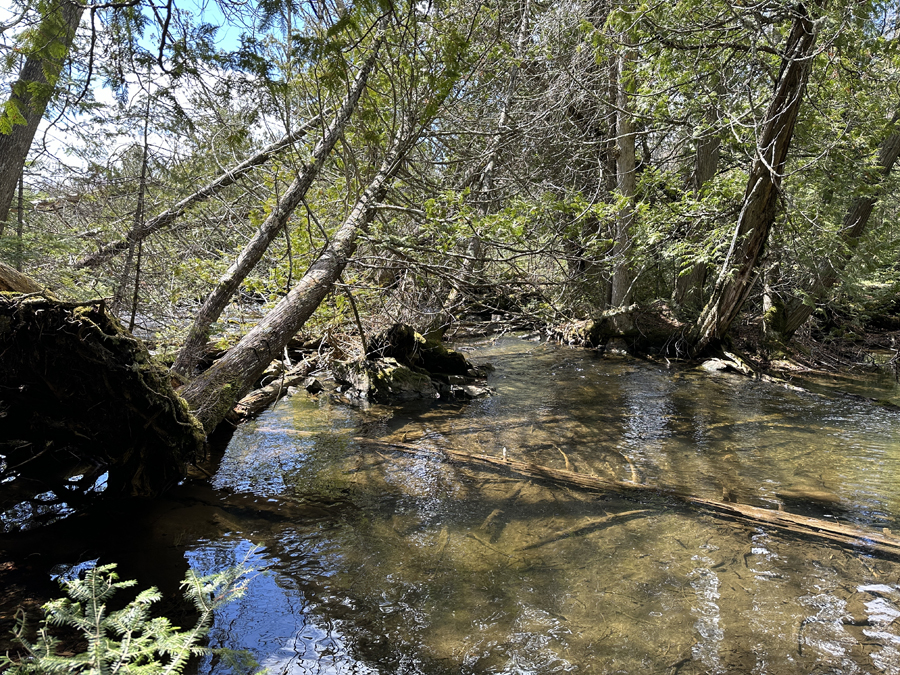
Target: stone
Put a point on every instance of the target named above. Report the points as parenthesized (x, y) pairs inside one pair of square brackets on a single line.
[(312, 385), (383, 379)]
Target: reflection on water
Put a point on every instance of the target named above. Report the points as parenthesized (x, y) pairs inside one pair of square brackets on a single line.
[(380, 562)]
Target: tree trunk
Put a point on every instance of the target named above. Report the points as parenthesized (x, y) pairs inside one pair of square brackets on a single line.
[(228, 284), (797, 311), (169, 216), (216, 391), (31, 93), (758, 209), (626, 184)]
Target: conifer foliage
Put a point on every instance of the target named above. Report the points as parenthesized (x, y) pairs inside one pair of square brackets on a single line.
[(127, 640)]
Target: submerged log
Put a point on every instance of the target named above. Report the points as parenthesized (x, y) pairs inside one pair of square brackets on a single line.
[(846, 535), (80, 396)]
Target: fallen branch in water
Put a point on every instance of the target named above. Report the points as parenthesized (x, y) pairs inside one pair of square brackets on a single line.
[(258, 400), (845, 535), (585, 528)]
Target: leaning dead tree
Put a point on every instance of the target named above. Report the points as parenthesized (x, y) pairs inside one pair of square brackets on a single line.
[(254, 250), (163, 220), (759, 205), (214, 393)]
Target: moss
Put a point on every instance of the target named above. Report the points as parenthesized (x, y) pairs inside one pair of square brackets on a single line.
[(89, 392)]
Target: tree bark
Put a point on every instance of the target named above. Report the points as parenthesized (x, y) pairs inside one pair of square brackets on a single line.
[(797, 311), (209, 190), (758, 208), (626, 187), (228, 284), (32, 92), (216, 391)]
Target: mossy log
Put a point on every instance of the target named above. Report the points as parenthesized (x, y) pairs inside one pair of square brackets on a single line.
[(80, 396), (848, 536)]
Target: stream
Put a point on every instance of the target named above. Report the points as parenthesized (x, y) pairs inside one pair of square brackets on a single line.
[(374, 561)]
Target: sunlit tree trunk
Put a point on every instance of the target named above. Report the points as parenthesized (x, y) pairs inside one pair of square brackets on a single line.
[(758, 208), (626, 183), (212, 394), (253, 252), (31, 93)]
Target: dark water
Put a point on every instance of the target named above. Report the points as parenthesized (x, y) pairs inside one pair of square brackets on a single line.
[(374, 561)]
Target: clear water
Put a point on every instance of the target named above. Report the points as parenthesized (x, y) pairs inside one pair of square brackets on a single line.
[(376, 561)]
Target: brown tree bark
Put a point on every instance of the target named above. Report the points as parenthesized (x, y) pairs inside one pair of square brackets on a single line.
[(253, 252), (216, 391), (32, 92), (758, 208), (169, 216), (796, 311)]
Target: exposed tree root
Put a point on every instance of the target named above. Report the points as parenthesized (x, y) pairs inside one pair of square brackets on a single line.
[(80, 397)]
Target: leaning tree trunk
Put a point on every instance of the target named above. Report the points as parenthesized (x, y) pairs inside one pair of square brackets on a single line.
[(143, 230), (758, 208), (215, 392), (253, 252), (796, 312), (31, 93)]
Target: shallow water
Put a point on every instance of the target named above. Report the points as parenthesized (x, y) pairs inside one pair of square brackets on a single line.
[(381, 562), (377, 561)]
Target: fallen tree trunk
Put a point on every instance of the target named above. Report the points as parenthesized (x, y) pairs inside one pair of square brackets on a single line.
[(12, 281), (169, 216), (275, 223), (845, 535), (258, 400), (213, 393)]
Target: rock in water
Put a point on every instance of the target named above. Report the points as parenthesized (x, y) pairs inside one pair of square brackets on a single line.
[(383, 379), (402, 364)]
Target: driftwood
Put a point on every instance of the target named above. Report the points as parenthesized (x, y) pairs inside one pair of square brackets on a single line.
[(260, 399), (846, 535)]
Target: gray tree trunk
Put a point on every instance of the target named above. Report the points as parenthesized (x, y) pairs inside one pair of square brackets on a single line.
[(626, 187), (758, 208), (31, 93), (169, 216), (215, 392), (796, 311), (253, 252)]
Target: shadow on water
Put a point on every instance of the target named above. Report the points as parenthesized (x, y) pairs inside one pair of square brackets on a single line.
[(376, 562)]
